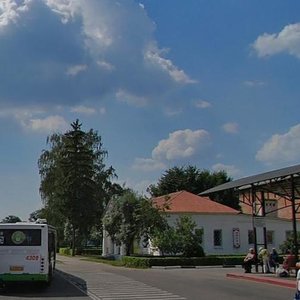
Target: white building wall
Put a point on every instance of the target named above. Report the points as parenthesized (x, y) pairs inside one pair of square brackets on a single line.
[(226, 223)]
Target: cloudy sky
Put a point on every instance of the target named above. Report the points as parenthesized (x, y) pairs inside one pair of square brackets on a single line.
[(214, 84)]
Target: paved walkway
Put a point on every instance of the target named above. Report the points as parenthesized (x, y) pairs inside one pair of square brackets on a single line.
[(87, 276), (288, 282), (98, 283)]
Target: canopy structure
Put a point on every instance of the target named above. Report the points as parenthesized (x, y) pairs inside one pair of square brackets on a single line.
[(278, 182), (284, 183)]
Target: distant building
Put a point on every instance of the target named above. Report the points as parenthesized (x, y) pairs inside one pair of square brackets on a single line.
[(225, 230)]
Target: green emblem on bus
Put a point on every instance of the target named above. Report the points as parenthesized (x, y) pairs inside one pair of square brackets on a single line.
[(18, 237)]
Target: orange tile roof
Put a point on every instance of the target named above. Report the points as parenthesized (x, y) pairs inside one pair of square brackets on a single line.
[(186, 202)]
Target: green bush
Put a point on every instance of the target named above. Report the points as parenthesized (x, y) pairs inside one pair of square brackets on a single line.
[(232, 260), (136, 262), (185, 261), (65, 251), (146, 262), (91, 251)]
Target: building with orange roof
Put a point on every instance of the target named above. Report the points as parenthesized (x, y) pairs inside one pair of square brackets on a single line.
[(225, 230)]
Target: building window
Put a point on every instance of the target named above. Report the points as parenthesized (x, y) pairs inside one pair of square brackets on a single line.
[(218, 238), (250, 237), (271, 207), (270, 237)]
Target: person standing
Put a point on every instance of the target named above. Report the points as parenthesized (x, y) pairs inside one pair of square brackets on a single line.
[(274, 259), (264, 257)]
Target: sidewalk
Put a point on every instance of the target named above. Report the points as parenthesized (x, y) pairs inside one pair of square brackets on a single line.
[(68, 264), (288, 282)]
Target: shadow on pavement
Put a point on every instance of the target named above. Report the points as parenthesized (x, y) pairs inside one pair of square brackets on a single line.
[(63, 285)]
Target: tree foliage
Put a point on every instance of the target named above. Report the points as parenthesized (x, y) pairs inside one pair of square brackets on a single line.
[(184, 238), (130, 217), (195, 181), (11, 219), (289, 243), (75, 183)]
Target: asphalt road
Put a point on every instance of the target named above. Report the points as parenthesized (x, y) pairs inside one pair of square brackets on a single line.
[(77, 279), (59, 289)]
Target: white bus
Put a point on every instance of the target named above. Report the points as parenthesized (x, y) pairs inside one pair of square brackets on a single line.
[(27, 252)]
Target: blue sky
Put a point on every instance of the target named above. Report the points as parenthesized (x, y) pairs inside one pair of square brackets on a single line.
[(214, 84)]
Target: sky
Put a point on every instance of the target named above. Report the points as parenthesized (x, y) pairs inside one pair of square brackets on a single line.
[(212, 84)]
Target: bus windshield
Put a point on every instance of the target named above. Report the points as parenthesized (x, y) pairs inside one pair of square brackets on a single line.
[(20, 237)]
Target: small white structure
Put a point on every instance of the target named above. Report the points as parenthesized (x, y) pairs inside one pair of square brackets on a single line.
[(225, 230)]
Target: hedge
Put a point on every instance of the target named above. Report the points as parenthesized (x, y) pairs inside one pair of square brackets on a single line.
[(152, 261), (146, 262), (65, 251), (84, 251)]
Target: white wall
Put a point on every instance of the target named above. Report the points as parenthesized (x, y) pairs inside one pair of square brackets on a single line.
[(211, 222)]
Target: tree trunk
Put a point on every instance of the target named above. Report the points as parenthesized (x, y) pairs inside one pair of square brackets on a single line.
[(129, 247), (73, 240)]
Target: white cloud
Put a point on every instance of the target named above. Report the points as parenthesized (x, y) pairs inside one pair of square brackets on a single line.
[(105, 65), (20, 113), (97, 39), (281, 148), (136, 185), (181, 144), (67, 9), (231, 170), (171, 112), (148, 164), (231, 127), (254, 83), (154, 55), (202, 104), (81, 109), (10, 11), (131, 99), (102, 110), (288, 40), (74, 70), (49, 124), (28, 120)]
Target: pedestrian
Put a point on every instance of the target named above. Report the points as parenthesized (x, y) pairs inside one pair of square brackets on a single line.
[(249, 260), (264, 257), (274, 259), (288, 260)]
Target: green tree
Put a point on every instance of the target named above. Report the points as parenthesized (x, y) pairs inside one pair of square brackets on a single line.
[(11, 219), (53, 217), (289, 244), (190, 238), (131, 217), (195, 181), (167, 241), (184, 238), (75, 183)]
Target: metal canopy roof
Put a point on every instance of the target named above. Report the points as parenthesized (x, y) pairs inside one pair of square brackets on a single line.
[(283, 182)]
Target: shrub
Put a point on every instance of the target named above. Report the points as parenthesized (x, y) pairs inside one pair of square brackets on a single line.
[(136, 262), (65, 251), (91, 251), (146, 262)]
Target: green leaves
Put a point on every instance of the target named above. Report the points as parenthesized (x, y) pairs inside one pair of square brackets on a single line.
[(182, 239), (11, 219), (75, 183), (195, 181), (130, 217)]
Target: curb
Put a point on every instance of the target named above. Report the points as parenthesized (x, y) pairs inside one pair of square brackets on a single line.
[(280, 282), (184, 267)]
